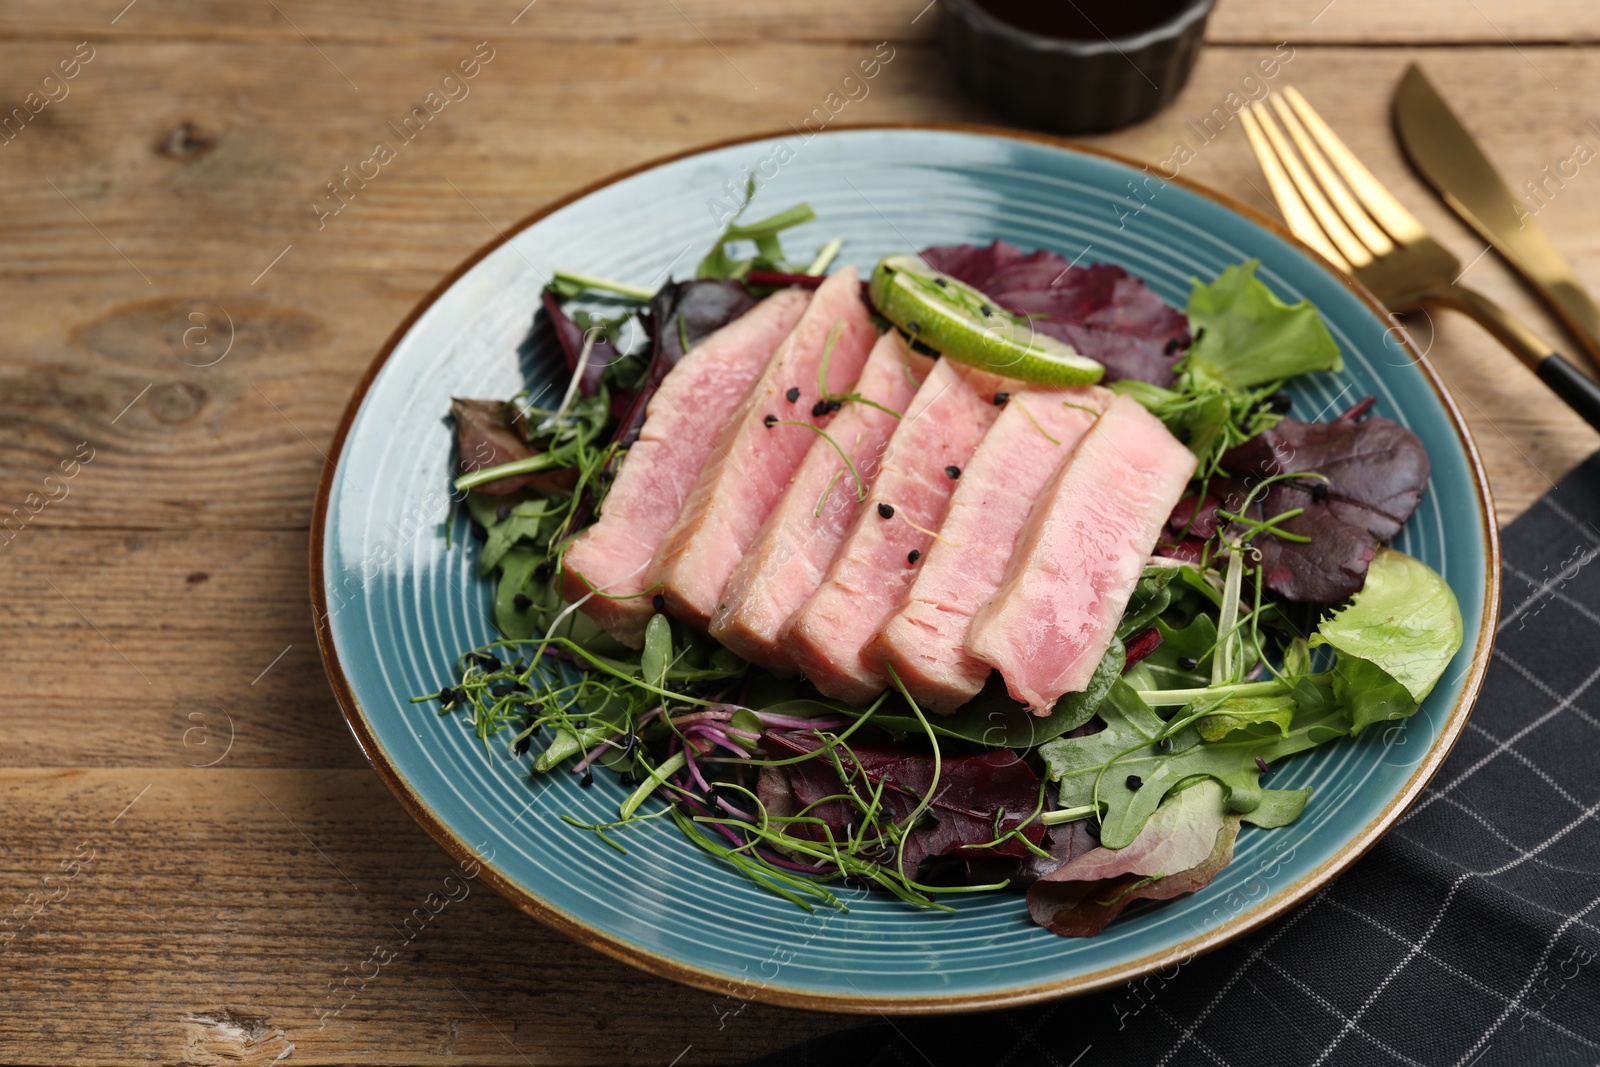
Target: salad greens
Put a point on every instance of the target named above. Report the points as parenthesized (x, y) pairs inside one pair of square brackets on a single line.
[(1134, 788)]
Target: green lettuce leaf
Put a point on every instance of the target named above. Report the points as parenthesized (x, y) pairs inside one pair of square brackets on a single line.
[(1395, 638), (1250, 336)]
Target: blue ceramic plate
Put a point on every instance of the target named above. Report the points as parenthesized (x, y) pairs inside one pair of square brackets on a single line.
[(398, 603)]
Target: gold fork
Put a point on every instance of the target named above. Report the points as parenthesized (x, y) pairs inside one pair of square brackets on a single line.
[(1334, 204)]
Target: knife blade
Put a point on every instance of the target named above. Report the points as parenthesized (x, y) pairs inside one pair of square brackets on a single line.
[(1449, 160)]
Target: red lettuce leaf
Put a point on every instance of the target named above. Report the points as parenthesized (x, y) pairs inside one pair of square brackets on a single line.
[(972, 792), (1376, 470), (1100, 309), (489, 433), (1181, 848), (570, 336)]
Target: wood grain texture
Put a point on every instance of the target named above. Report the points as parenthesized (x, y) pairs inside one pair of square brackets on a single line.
[(156, 606), (1493, 22), (241, 896), (239, 443)]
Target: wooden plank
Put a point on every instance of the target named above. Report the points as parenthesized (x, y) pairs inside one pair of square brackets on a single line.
[(237, 444), (230, 903), (691, 21), (171, 649)]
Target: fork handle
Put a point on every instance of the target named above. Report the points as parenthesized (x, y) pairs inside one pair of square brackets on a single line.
[(1579, 392), (1573, 386)]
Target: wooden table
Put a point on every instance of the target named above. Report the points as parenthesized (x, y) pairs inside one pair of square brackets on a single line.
[(178, 898)]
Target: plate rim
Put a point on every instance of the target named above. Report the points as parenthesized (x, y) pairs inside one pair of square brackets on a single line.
[(678, 970)]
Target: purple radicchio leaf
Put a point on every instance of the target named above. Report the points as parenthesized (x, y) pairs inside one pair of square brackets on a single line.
[(1375, 469)]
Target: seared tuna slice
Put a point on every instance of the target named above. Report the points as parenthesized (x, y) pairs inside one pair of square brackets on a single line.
[(926, 642), (792, 553), (828, 637), (756, 455), (682, 423), (1080, 555)]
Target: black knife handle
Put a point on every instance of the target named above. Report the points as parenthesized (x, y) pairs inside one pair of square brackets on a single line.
[(1571, 385)]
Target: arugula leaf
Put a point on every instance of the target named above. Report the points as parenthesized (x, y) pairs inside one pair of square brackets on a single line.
[(1152, 595), (1395, 638), (1279, 807), (1245, 336), (718, 263), (1125, 752)]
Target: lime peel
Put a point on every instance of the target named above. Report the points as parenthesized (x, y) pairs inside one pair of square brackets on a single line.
[(960, 322)]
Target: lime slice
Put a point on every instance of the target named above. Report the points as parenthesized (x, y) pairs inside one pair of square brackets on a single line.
[(958, 321)]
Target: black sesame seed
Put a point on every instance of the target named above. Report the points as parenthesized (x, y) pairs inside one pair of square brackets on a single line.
[(913, 556), (770, 421), (486, 661), (521, 602), (912, 327), (835, 405), (448, 696), (793, 394), (504, 689), (587, 780), (1001, 397), (658, 602), (1201, 332), (985, 310), (479, 533), (502, 513), (521, 745), (542, 571), (1319, 492), (1172, 346), (819, 409), (1135, 782), (885, 511), (628, 778), (1187, 663), (952, 472), (941, 283), (1164, 744), (1280, 403)]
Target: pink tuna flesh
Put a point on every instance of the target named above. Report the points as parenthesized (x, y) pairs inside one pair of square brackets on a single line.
[(798, 542), (926, 642), (755, 457), (682, 423), (828, 637), (1080, 556)]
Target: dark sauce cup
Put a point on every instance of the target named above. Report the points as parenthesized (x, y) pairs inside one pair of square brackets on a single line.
[(1074, 66)]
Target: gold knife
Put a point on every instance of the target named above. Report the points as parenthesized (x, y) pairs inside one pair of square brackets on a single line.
[(1448, 159)]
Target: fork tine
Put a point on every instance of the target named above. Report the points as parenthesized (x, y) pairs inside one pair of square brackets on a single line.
[(1401, 224), (1360, 222), (1295, 212), (1351, 249)]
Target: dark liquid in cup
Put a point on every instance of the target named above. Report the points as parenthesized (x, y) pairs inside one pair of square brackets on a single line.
[(1084, 20)]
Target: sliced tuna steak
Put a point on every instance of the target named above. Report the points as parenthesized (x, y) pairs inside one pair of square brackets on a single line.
[(1080, 555), (875, 566), (792, 553), (926, 642), (680, 429), (756, 456)]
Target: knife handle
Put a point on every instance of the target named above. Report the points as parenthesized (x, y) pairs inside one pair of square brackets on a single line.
[(1571, 385), (1566, 381)]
